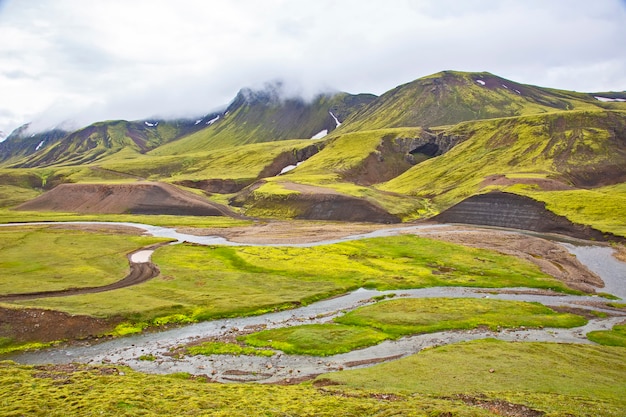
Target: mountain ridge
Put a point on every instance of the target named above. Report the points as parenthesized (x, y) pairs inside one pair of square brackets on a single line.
[(408, 154)]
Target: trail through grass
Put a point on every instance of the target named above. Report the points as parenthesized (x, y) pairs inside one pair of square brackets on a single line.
[(40, 258)]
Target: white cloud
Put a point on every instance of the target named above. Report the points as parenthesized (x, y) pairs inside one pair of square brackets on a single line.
[(107, 59)]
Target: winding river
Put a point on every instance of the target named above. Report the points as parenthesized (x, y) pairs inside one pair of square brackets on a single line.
[(281, 367)]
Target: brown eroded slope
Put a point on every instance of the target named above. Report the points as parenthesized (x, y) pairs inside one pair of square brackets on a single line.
[(135, 198)]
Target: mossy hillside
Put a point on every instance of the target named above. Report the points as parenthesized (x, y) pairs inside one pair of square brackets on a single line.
[(451, 97), (393, 319), (119, 391), (345, 152), (201, 283), (263, 116), (559, 379), (11, 195), (244, 162), (40, 258), (551, 145), (101, 139)]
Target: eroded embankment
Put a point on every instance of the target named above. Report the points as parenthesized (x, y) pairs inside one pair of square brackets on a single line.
[(514, 211)]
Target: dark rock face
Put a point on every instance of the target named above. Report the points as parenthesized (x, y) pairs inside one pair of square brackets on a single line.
[(516, 212)]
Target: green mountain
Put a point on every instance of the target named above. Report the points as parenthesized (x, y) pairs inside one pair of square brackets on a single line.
[(409, 154), (451, 97), (265, 115), (91, 143)]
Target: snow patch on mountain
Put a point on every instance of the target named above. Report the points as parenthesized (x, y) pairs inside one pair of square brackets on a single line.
[(289, 168), (335, 117), (213, 120), (320, 134), (40, 145), (607, 99), (151, 124), (481, 82)]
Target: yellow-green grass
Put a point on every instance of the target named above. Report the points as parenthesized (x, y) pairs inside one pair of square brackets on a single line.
[(39, 258), (393, 319), (243, 162), (14, 216), (428, 315), (316, 339), (11, 195), (119, 391), (602, 208), (614, 337), (558, 379), (200, 283), (223, 348)]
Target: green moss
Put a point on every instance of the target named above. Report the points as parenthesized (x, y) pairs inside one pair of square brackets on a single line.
[(559, 379), (614, 337), (222, 348), (316, 339), (372, 324)]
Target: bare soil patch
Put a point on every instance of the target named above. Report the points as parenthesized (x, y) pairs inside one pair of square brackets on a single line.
[(38, 325), (284, 232), (134, 198), (500, 407), (545, 184)]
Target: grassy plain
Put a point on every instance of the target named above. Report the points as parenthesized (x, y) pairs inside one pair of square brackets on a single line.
[(393, 319), (559, 379), (200, 283), (454, 380), (39, 258), (104, 391)]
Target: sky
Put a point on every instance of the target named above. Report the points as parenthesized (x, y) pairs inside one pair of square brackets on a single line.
[(77, 62)]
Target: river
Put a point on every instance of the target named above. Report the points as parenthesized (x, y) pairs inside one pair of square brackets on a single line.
[(281, 367)]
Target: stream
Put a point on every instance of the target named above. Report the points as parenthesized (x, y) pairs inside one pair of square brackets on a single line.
[(291, 368)]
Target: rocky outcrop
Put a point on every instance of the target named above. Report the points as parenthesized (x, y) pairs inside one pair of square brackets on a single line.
[(516, 212)]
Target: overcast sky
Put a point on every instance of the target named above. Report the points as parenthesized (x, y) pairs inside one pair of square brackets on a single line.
[(132, 59)]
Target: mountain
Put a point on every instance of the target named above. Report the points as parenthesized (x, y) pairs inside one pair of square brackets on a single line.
[(269, 115), (20, 143), (93, 142), (411, 153), (451, 97)]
